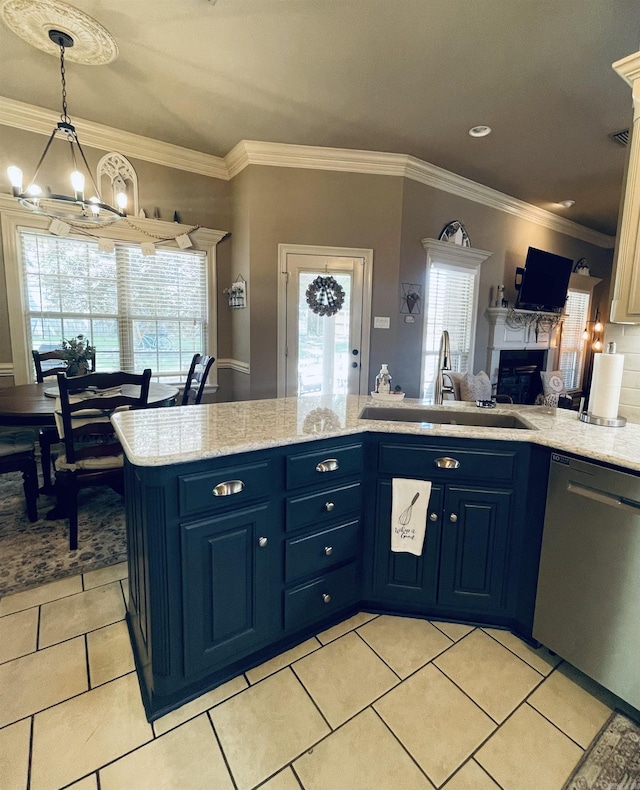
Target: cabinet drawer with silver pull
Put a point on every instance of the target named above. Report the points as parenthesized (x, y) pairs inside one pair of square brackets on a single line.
[(308, 510), (321, 550), (227, 487), (446, 463), (321, 597), (322, 467)]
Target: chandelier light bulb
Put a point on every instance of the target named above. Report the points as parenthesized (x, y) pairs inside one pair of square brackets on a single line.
[(15, 177), (34, 190), (93, 205), (121, 201), (585, 334), (598, 327), (77, 182)]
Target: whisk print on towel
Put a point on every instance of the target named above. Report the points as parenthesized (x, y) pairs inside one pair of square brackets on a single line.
[(410, 499)]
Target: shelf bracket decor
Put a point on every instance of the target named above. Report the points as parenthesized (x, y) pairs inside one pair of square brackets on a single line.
[(532, 319)]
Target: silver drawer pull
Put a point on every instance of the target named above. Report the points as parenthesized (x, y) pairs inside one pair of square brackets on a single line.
[(326, 597), (328, 506), (328, 550), (433, 516), (453, 518), (262, 542), (328, 465), (229, 487), (447, 463)]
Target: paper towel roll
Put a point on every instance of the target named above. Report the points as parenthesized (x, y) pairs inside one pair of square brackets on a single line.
[(605, 385)]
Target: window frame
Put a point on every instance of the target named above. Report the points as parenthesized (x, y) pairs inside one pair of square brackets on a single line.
[(454, 256), (575, 285), (14, 220)]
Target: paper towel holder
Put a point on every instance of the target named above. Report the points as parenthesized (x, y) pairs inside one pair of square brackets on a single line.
[(593, 419)]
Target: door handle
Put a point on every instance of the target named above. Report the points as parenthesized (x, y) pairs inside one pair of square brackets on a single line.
[(229, 487), (606, 499)]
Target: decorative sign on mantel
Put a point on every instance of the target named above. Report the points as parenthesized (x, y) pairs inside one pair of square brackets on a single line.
[(532, 319)]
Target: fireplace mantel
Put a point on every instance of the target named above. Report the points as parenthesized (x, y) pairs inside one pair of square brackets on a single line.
[(515, 330)]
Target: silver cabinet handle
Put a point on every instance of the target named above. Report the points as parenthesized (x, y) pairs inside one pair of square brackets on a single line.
[(326, 597), (453, 518), (447, 463), (328, 550), (329, 506), (433, 516), (228, 488), (262, 542), (328, 465)]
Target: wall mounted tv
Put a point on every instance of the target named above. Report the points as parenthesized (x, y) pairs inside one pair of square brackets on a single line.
[(544, 281)]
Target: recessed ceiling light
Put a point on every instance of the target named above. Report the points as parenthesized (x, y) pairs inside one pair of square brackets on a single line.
[(480, 131), (566, 203)]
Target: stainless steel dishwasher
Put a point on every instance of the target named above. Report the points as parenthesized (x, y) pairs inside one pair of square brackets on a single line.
[(588, 599)]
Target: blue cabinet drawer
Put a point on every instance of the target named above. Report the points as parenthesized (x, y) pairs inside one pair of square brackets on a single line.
[(229, 487), (316, 553), (321, 597), (443, 464), (319, 508), (322, 467)]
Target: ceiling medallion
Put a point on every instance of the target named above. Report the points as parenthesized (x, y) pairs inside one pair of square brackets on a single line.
[(33, 19)]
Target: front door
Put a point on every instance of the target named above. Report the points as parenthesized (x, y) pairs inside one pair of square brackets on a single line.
[(323, 354)]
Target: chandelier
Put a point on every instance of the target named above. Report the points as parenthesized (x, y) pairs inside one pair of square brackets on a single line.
[(74, 208)]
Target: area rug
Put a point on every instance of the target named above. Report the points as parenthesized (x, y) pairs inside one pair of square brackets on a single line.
[(612, 762), (34, 554)]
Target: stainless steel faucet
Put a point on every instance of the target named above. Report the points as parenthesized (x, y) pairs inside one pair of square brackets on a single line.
[(444, 363)]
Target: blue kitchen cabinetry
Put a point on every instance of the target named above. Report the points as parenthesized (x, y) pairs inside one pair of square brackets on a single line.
[(484, 526), (234, 559)]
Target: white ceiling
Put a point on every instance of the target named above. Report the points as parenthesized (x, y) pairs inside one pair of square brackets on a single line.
[(404, 76)]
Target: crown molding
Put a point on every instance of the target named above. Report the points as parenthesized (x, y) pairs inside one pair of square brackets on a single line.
[(628, 68), (95, 135), (253, 152)]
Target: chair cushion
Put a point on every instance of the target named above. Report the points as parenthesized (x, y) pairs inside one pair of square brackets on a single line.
[(14, 442), (475, 387), (96, 464), (552, 382)]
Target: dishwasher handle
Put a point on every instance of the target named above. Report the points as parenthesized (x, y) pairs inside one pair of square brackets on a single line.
[(606, 499)]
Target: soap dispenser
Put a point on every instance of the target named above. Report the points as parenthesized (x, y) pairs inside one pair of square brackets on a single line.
[(383, 380)]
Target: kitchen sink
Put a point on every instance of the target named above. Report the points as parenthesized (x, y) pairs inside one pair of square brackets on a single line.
[(432, 414)]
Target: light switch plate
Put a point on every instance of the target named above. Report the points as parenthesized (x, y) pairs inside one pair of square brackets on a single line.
[(381, 322)]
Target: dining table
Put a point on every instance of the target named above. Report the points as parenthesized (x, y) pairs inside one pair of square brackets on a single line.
[(34, 404)]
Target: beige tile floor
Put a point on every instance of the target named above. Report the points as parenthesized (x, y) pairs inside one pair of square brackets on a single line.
[(375, 702)]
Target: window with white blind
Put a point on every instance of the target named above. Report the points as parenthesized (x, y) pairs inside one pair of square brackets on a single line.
[(450, 305), (573, 346), (139, 311)]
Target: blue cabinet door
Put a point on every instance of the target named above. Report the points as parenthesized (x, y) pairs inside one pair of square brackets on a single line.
[(231, 572), (399, 576), (475, 533)]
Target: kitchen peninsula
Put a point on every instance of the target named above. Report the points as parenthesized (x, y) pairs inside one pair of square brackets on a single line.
[(252, 525)]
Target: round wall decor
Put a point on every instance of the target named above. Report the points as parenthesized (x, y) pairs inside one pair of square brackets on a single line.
[(325, 296)]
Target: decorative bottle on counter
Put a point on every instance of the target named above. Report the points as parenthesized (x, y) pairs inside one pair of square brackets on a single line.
[(383, 380)]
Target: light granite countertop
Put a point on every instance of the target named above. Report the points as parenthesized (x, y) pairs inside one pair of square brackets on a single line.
[(159, 437)]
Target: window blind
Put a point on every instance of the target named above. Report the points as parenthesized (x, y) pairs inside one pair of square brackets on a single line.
[(572, 346), (450, 298), (139, 311)]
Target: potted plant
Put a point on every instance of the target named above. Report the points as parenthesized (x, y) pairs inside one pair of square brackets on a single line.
[(79, 353)]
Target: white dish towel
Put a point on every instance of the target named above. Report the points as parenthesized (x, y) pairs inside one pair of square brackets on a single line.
[(410, 499)]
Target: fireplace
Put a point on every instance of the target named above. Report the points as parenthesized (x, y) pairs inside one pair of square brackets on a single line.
[(519, 374)]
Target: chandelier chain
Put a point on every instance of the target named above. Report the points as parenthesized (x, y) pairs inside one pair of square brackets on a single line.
[(64, 116)]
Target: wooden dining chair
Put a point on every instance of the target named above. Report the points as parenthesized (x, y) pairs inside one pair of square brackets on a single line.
[(17, 455), (92, 453), (47, 437), (196, 379)]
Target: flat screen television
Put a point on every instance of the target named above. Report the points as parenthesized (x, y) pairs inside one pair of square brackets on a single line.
[(545, 279)]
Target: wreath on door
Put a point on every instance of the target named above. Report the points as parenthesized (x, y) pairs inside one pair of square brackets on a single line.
[(325, 296)]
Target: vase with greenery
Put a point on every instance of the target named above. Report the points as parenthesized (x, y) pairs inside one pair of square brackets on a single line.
[(79, 354)]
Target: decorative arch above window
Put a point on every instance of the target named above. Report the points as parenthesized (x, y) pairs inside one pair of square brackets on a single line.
[(116, 174)]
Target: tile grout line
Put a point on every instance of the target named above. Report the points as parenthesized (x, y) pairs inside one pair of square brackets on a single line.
[(375, 652), (466, 762), (222, 752), (38, 629), (308, 693), (30, 756), (335, 639), (516, 655), (86, 658), (297, 778), (404, 748)]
